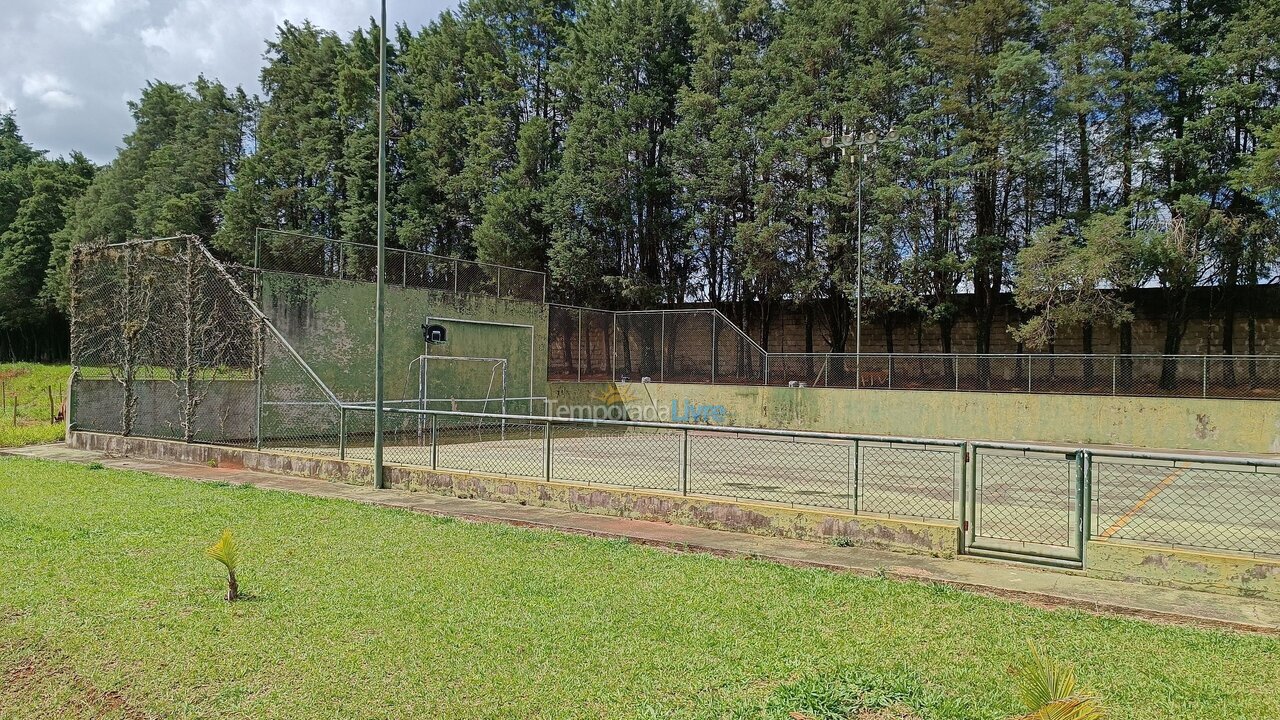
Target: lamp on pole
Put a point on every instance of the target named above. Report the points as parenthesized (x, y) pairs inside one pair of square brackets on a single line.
[(378, 394), (858, 149)]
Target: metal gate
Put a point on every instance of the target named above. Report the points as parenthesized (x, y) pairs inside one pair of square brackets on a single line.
[(1027, 504)]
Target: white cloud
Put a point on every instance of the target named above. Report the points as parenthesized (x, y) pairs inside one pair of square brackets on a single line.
[(49, 90), (66, 65), (94, 15)]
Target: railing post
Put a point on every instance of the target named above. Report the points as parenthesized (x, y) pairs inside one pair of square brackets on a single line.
[(546, 451), (713, 347), (342, 432), (435, 444), (853, 477), (1083, 506), (684, 462), (662, 349)]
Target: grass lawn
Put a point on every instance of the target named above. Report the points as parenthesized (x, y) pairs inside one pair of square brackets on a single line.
[(109, 609), (32, 383)]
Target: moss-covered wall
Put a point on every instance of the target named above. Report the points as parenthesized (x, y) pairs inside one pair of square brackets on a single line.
[(330, 323), (1250, 426)]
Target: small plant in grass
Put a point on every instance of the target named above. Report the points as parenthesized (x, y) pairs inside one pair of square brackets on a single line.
[(1048, 691), (96, 466), (225, 552), (842, 541)]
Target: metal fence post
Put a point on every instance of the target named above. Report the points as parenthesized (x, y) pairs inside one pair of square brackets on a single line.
[(455, 277), (853, 477), (1028, 372), (662, 349), (342, 432), (1084, 464), (435, 444), (713, 346), (546, 451), (262, 364), (499, 274), (955, 369), (1204, 378), (404, 269), (684, 462), (1113, 374), (890, 380), (963, 509), (579, 346)]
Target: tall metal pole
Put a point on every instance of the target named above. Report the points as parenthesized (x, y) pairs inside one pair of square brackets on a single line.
[(382, 252), (857, 324)]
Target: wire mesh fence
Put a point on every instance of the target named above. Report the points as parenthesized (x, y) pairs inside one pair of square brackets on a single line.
[(694, 346), (703, 346), (1219, 504), (296, 253)]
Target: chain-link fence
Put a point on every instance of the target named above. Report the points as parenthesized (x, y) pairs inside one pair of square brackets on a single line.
[(1215, 503), (289, 252), (162, 344), (1220, 376), (703, 346), (694, 346), (166, 343)]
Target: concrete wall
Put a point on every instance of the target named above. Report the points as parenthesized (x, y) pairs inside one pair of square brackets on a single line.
[(1189, 570), (1247, 426), (330, 323), (227, 411)]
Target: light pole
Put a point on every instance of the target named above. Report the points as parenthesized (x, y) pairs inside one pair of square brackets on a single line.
[(866, 145), (378, 394)]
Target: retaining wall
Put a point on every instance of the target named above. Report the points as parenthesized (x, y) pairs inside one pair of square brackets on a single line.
[(1245, 426)]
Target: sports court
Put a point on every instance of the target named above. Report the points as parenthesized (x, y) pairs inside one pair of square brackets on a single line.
[(285, 358)]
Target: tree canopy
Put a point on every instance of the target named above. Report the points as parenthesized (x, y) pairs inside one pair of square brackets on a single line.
[(658, 151)]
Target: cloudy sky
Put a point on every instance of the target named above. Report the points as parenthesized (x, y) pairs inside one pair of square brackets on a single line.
[(67, 67)]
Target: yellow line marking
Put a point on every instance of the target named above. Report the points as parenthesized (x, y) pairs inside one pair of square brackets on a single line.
[(1137, 507)]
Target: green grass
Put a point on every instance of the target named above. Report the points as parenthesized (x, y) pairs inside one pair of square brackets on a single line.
[(108, 608), (32, 383)]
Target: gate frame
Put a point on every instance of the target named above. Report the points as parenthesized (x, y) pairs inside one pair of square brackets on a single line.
[(972, 543)]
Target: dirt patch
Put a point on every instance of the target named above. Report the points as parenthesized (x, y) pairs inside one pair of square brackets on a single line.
[(12, 373), (39, 677)]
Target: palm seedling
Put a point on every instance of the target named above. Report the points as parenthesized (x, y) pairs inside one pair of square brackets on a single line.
[(1048, 690), (224, 551)]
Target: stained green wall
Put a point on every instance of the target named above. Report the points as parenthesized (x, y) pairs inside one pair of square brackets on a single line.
[(330, 323), (1251, 426)]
